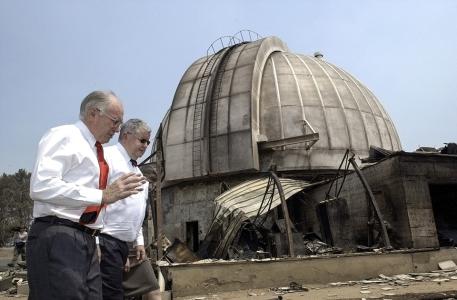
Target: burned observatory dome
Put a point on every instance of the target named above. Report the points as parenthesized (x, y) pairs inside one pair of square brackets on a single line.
[(255, 107), (255, 104), (248, 163)]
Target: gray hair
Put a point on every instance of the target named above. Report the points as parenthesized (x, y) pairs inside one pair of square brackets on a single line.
[(133, 126), (96, 99)]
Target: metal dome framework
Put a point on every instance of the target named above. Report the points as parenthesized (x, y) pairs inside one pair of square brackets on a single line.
[(247, 94)]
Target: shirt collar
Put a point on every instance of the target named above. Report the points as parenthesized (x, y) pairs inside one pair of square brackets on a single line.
[(124, 152), (86, 132)]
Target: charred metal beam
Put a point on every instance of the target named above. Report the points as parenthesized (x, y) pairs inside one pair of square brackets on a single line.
[(373, 202), (286, 213), (159, 214), (307, 138)]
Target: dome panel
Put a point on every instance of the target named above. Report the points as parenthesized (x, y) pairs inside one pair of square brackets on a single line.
[(288, 92), (176, 158), (242, 78), (183, 95), (373, 135), (309, 91), (337, 129), (328, 68), (192, 72), (177, 127), (294, 125), (373, 105), (247, 56), (394, 138), (313, 67), (357, 130), (282, 65), (345, 95), (272, 117), (240, 114), (232, 60), (220, 162), (315, 116), (222, 115), (328, 93), (384, 133), (226, 84), (296, 60), (359, 97)]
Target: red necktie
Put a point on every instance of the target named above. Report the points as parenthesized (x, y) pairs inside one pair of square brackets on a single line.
[(91, 213)]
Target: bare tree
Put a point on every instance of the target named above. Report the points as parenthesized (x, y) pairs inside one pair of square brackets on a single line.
[(15, 203)]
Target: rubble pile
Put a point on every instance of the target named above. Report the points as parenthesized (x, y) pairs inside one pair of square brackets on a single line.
[(316, 247), (11, 280), (387, 285), (404, 279)]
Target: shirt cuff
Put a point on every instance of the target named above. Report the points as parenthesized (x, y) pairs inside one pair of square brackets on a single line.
[(139, 241)]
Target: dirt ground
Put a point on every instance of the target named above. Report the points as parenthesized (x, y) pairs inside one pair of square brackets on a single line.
[(6, 254), (419, 290), (414, 291)]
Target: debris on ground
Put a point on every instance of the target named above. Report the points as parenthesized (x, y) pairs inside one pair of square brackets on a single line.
[(11, 279), (387, 284), (403, 279), (314, 245), (292, 288), (447, 265)]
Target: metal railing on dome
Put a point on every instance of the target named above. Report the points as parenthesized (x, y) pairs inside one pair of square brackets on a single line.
[(242, 36)]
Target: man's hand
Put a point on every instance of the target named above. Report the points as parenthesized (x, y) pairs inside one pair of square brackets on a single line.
[(124, 186), (140, 253), (127, 265)]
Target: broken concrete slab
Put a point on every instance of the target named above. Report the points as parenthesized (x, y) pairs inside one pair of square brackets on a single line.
[(447, 265)]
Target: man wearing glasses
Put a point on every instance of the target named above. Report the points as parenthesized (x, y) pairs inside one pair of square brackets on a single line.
[(122, 222), (69, 189)]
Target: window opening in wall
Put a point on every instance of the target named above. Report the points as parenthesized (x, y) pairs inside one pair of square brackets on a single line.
[(192, 235), (444, 202)]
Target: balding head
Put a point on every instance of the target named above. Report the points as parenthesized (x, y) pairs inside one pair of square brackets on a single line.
[(102, 112), (96, 99)]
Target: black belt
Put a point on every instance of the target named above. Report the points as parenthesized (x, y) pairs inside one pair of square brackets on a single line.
[(65, 222)]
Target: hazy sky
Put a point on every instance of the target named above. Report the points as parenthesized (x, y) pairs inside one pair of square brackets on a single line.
[(53, 53)]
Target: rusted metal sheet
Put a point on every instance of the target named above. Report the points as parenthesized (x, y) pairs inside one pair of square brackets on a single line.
[(243, 202), (246, 198)]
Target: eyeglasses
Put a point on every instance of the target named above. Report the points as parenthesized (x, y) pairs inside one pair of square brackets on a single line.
[(116, 122), (143, 141)]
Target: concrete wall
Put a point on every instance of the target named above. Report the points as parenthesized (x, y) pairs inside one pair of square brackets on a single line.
[(350, 228), (400, 184), (417, 172), (186, 203), (401, 188), (195, 279), (193, 201)]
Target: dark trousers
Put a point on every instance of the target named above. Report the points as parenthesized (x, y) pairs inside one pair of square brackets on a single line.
[(114, 256), (19, 249), (62, 264)]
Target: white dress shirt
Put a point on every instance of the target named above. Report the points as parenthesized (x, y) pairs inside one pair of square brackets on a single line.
[(123, 219), (66, 174)]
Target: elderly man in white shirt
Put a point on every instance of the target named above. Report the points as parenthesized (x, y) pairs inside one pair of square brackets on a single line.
[(122, 221), (69, 189)]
